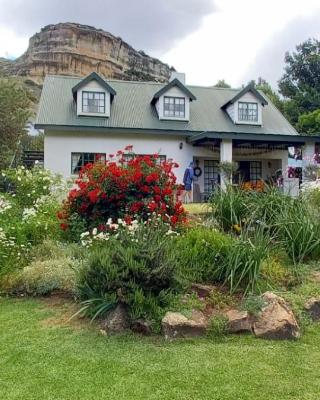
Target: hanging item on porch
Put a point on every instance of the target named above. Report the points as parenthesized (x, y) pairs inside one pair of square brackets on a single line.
[(197, 170)]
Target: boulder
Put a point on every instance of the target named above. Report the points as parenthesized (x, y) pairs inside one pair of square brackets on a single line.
[(141, 326), (239, 321), (202, 290), (117, 320), (176, 325), (312, 307), (276, 319)]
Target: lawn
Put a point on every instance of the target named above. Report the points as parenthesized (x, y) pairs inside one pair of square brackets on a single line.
[(42, 358)]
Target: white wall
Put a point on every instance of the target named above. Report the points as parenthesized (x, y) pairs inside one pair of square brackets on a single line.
[(58, 147), (173, 92), (93, 86)]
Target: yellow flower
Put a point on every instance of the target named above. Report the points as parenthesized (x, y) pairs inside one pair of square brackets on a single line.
[(237, 228)]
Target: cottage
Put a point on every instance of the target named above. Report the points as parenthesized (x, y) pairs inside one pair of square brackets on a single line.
[(89, 118)]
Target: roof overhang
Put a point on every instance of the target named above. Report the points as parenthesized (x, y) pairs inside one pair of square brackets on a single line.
[(290, 140), (249, 88), (173, 83), (93, 77)]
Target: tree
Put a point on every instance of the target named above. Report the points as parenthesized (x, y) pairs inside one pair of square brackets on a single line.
[(14, 113), (222, 84), (266, 88), (300, 85), (309, 123)]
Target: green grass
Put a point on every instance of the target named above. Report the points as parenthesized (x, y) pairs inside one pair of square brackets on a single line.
[(41, 361)]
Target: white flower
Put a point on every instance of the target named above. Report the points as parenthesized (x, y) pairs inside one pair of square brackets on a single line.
[(94, 231)]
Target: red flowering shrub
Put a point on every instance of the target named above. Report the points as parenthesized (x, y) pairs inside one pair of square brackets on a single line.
[(124, 186)]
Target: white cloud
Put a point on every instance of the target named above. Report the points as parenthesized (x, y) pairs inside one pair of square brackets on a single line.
[(229, 40), (208, 39)]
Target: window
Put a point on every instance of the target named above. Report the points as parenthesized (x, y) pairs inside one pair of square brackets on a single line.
[(255, 171), (160, 159), (248, 112), (93, 102), (79, 160), (174, 107), (211, 175)]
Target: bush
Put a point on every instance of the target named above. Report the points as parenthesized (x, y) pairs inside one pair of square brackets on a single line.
[(52, 268), (218, 326), (241, 266), (135, 267), (27, 214), (125, 187), (229, 207), (200, 251)]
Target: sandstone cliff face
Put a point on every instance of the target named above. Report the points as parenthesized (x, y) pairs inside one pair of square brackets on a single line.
[(74, 49)]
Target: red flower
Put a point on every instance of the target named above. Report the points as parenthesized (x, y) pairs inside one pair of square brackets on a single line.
[(64, 226), (153, 177), (129, 147), (152, 206), (94, 195)]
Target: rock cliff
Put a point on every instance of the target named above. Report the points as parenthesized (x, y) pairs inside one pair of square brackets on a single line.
[(74, 49)]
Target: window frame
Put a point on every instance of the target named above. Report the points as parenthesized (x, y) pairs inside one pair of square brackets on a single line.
[(82, 153), (248, 118), (87, 92), (211, 172), (255, 170), (175, 98)]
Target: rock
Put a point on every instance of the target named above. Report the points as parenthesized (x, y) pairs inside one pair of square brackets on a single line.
[(239, 321), (77, 50), (141, 326), (176, 325), (312, 307), (276, 320), (117, 320), (202, 290)]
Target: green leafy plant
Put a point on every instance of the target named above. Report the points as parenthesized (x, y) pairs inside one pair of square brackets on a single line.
[(218, 326), (253, 304), (200, 251), (137, 269)]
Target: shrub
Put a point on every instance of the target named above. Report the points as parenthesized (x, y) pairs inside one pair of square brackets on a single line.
[(299, 232), (200, 252), (218, 326), (229, 207), (27, 218), (253, 304), (123, 187), (136, 268), (52, 268), (241, 266)]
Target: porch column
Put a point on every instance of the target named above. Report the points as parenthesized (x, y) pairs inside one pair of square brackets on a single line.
[(225, 156), (308, 152)]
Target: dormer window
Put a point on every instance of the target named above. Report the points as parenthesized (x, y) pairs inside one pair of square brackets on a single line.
[(174, 107), (93, 97), (172, 101), (248, 111), (93, 102)]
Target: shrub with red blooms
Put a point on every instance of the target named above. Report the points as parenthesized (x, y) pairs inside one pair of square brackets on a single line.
[(124, 186)]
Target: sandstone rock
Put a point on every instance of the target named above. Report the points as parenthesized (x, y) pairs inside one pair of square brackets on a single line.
[(202, 290), (312, 307), (176, 325), (117, 320), (75, 49), (239, 321), (141, 326), (276, 320)]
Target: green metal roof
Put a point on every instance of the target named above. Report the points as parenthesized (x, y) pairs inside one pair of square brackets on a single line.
[(132, 110)]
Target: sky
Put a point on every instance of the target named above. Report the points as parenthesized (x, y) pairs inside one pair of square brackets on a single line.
[(235, 40)]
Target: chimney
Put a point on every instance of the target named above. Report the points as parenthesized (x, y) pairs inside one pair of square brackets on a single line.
[(181, 76)]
